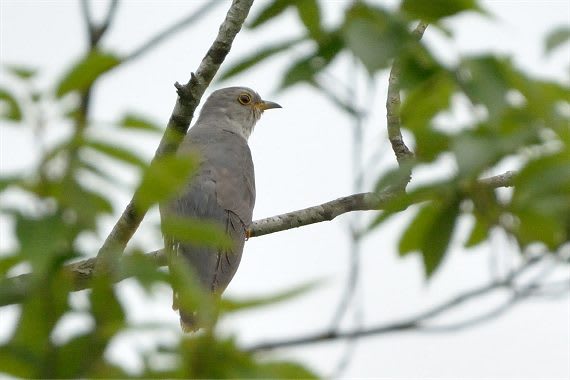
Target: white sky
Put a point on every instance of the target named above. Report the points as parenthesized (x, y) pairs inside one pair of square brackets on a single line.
[(302, 158)]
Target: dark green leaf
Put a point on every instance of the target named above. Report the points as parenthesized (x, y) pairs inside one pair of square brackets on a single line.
[(430, 143), (273, 9), (310, 15), (485, 80), (434, 10), (163, 178), (9, 108), (20, 71), (136, 121), (233, 305), (305, 69), (437, 236), (375, 36), (259, 56), (195, 231), (557, 37), (413, 236), (116, 152), (143, 268), (479, 233), (81, 75), (427, 100)]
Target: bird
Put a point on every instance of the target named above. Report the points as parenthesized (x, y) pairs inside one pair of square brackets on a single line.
[(222, 190)]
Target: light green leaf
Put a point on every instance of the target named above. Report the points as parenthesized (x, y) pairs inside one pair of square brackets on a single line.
[(163, 178), (81, 75), (233, 305), (20, 71), (556, 38), (374, 35), (195, 231), (272, 10), (433, 10), (9, 107), (116, 152), (136, 121), (259, 56)]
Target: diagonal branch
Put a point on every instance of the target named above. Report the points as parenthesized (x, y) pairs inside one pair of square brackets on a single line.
[(416, 322), (14, 289), (189, 96)]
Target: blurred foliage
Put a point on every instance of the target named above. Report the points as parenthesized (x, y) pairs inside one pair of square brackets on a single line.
[(516, 116)]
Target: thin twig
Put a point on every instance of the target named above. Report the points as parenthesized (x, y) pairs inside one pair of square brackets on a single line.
[(416, 322)]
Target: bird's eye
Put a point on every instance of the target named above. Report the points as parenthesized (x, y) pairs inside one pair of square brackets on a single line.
[(244, 98)]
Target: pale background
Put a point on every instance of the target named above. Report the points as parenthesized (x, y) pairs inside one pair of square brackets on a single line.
[(302, 158)]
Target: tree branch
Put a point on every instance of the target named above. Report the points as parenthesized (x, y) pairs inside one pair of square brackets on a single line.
[(412, 323), (393, 101), (14, 289), (189, 96)]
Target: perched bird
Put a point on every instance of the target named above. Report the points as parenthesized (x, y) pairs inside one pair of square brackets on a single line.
[(222, 190)]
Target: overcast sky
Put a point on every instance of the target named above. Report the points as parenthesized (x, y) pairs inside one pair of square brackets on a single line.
[(302, 157)]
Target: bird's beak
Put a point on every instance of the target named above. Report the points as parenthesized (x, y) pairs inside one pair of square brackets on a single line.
[(265, 105)]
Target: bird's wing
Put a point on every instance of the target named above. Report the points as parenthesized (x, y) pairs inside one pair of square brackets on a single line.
[(222, 191)]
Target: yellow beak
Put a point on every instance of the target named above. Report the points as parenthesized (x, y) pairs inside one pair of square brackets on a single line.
[(265, 105)]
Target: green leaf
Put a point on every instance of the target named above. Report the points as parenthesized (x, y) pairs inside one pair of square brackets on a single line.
[(427, 100), (273, 9), (82, 74), (375, 36), (233, 305), (136, 121), (259, 56), (433, 10), (305, 69), (479, 233), (437, 237), (43, 240), (106, 309), (195, 231), (485, 80), (413, 236), (310, 14), (163, 178), (555, 38), (116, 152), (541, 200), (284, 370), (20, 71), (9, 107), (430, 143)]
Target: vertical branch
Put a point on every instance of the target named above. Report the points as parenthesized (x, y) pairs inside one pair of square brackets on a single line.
[(393, 101), (189, 96)]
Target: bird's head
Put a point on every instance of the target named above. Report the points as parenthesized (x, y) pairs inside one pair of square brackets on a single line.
[(238, 108)]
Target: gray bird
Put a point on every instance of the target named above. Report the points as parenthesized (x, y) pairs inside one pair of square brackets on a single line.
[(222, 190)]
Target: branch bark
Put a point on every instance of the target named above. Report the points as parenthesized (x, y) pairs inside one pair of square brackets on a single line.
[(189, 96), (417, 322), (14, 289)]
